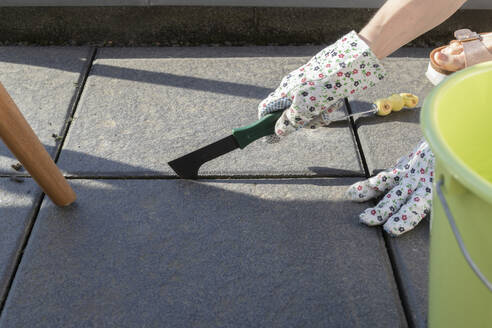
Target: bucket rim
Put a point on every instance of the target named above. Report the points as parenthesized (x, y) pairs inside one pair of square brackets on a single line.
[(428, 118)]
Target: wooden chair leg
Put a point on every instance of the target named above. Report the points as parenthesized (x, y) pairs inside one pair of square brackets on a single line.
[(25, 145)]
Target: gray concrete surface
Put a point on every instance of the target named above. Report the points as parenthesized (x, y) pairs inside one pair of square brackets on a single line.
[(262, 253), (17, 204), (411, 256), (241, 251), (43, 83), (137, 114), (385, 139)]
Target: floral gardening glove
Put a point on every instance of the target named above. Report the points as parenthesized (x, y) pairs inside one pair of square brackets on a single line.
[(309, 95), (409, 186)]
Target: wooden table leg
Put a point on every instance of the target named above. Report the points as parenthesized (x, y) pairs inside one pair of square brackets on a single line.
[(25, 145)]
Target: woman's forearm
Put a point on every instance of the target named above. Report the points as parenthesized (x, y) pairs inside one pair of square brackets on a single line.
[(398, 22)]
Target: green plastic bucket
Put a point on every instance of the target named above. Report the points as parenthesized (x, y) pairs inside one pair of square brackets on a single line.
[(457, 122)]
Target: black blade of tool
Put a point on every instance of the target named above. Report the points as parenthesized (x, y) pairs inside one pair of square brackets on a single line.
[(188, 165)]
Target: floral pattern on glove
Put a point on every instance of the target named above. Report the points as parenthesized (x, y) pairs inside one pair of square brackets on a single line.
[(409, 192), (344, 68)]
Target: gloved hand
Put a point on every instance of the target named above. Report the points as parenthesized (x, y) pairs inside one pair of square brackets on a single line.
[(310, 94), (410, 192)]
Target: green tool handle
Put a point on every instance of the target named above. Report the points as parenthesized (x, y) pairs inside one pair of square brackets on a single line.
[(264, 127)]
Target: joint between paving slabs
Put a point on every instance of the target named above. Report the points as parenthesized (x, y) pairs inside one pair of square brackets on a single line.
[(39, 201), (399, 281), (389, 250), (353, 128), (110, 176), (75, 101), (33, 215)]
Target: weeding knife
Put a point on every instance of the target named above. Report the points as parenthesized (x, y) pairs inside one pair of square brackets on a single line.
[(188, 165)]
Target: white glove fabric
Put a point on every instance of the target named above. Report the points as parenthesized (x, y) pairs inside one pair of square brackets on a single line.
[(409, 192), (310, 94)]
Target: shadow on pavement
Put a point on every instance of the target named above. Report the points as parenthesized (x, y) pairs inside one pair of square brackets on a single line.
[(188, 252)]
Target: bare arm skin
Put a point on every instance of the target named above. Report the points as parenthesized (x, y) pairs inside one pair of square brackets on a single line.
[(398, 22)]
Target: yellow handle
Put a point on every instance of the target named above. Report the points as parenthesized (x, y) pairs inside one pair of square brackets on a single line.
[(395, 103)]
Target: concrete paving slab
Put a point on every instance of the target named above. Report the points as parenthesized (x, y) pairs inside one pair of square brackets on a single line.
[(42, 81), (18, 198), (411, 259), (143, 107), (385, 139), (242, 253)]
